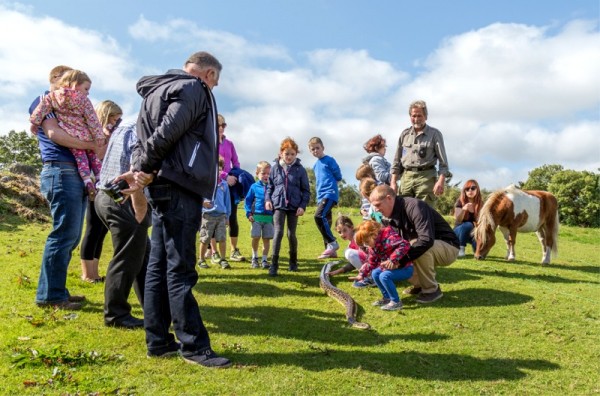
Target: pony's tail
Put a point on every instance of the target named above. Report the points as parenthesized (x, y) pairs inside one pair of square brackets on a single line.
[(555, 236)]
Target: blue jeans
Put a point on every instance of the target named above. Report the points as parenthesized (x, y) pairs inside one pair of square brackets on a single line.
[(63, 189), (171, 273), (385, 280), (463, 232)]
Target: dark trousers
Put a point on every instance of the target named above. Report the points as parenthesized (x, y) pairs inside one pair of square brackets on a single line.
[(323, 219), (93, 237), (171, 276), (279, 219), (131, 250)]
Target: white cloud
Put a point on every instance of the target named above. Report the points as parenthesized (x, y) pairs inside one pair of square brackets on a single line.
[(507, 97)]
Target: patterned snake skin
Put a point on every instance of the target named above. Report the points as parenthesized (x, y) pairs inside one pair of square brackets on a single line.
[(341, 296)]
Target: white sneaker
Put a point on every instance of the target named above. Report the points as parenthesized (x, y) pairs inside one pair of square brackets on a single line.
[(461, 251)]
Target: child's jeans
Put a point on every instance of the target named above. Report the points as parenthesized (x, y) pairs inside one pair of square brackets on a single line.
[(384, 279)]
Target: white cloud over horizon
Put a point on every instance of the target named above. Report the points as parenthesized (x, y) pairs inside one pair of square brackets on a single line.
[(507, 97)]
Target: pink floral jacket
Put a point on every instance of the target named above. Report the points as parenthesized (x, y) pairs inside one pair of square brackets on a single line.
[(389, 245), (74, 111)]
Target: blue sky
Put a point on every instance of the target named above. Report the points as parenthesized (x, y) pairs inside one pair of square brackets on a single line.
[(512, 85)]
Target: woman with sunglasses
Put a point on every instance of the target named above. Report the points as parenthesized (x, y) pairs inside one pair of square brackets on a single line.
[(466, 213)]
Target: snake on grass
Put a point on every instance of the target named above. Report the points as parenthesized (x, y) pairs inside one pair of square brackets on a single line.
[(341, 296)]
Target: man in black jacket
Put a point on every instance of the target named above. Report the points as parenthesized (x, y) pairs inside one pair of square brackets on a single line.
[(176, 158), (433, 243)]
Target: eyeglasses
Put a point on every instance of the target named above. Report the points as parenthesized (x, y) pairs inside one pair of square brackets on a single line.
[(223, 125), (472, 188)]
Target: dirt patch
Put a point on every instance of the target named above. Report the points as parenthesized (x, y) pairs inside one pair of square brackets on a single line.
[(20, 194)]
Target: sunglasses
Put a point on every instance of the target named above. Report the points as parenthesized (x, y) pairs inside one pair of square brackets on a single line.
[(223, 125), (472, 188)]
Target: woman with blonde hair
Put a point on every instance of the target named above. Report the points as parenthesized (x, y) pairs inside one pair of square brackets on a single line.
[(109, 115)]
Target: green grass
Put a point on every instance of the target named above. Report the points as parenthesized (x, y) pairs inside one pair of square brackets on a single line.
[(501, 328)]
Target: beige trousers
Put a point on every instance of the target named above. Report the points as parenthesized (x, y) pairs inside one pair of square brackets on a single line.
[(440, 254)]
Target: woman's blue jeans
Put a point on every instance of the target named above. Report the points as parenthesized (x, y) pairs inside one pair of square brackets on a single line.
[(463, 232), (63, 189), (385, 280)]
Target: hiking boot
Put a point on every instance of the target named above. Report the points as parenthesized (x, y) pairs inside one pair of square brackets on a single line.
[(461, 251), (274, 266), (254, 263), (215, 258), (392, 306), (413, 290), (171, 350), (224, 264), (381, 303), (207, 358), (265, 264), (426, 298), (202, 264), (236, 256)]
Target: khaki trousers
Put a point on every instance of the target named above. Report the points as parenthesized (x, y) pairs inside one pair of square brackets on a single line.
[(440, 254), (419, 185)]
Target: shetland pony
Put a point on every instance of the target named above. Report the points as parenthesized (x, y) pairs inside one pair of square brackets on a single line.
[(515, 210)]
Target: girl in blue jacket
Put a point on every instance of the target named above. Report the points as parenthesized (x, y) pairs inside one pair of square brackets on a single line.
[(288, 193)]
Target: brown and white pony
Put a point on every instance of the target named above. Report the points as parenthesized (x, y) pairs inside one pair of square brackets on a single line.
[(515, 210)]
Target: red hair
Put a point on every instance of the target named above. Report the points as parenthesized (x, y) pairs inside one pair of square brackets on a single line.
[(477, 200), (367, 231)]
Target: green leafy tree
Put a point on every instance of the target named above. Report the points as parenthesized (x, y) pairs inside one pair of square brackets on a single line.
[(539, 178), (578, 195), (19, 147)]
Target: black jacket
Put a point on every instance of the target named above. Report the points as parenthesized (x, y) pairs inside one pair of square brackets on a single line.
[(177, 132), (415, 219)]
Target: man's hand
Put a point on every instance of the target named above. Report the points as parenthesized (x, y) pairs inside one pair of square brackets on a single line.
[(269, 205), (143, 179), (438, 189), (299, 212), (390, 265), (231, 180)]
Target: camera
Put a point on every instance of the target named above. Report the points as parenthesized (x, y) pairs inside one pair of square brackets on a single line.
[(113, 190), (422, 151)]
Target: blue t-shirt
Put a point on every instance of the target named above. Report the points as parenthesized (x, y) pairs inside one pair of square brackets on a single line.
[(49, 150), (327, 175)]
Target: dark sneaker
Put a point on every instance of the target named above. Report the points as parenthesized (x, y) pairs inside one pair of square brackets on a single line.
[(392, 306), (413, 290), (207, 358), (66, 305), (265, 264), (381, 303), (172, 350), (237, 256), (202, 264), (293, 267), (215, 258), (254, 263), (425, 298), (360, 284), (224, 264), (127, 323)]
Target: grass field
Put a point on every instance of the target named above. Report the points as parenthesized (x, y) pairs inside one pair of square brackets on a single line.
[(501, 328)]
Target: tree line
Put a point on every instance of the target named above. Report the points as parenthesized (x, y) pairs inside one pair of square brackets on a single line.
[(577, 192)]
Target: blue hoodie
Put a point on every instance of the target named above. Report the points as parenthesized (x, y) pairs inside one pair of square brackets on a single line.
[(327, 173)]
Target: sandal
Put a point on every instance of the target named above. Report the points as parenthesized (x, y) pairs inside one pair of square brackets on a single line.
[(97, 280), (91, 191)]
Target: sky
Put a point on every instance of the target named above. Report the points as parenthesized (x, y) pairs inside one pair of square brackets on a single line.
[(512, 85)]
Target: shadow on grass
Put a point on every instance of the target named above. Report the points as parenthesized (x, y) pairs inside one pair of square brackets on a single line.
[(307, 325), (418, 365), (468, 298), (249, 289), (541, 277)]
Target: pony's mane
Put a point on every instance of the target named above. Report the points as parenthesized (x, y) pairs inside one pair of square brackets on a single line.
[(485, 216)]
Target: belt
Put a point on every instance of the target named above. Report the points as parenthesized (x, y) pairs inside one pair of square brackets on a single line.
[(417, 169), (60, 163)]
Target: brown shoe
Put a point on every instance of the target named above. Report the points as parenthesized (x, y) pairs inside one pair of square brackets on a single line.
[(413, 290), (76, 299), (66, 305)]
